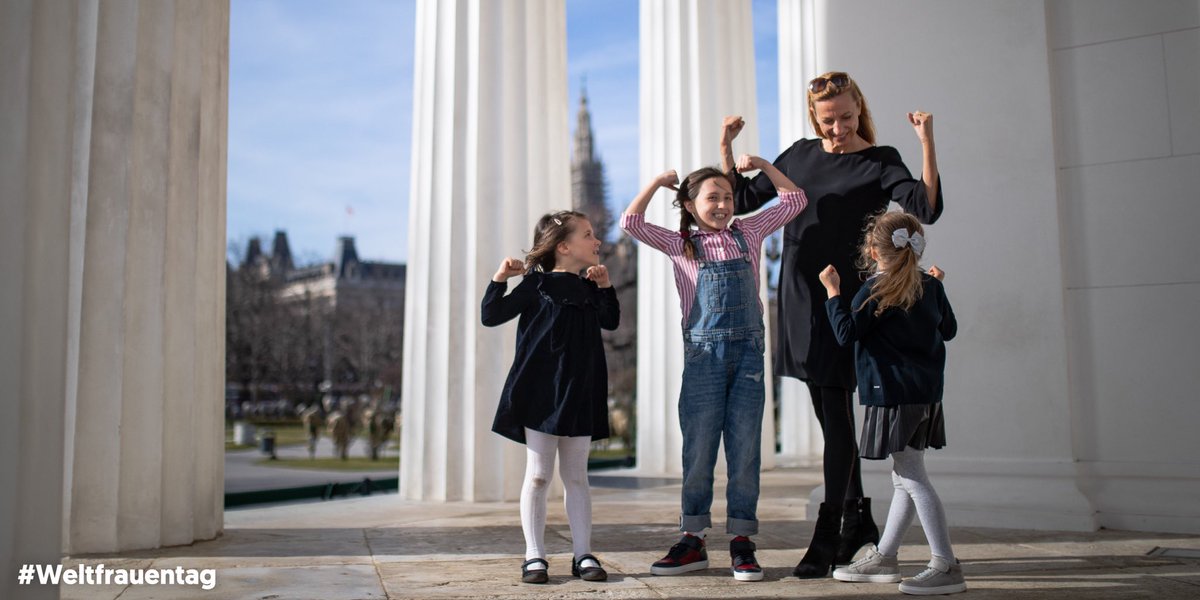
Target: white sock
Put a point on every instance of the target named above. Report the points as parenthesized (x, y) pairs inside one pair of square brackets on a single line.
[(577, 496), (539, 470)]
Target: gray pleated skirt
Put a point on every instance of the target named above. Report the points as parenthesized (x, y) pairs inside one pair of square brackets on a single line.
[(888, 429)]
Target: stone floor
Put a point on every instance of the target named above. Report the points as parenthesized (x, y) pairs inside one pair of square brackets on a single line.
[(383, 547)]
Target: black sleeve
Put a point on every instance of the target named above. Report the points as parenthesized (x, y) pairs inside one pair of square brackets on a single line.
[(750, 195), (498, 309), (851, 324), (610, 309), (841, 319), (949, 324), (900, 187)]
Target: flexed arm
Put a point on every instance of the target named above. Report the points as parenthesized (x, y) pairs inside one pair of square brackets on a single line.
[(669, 179), (498, 308), (922, 123)]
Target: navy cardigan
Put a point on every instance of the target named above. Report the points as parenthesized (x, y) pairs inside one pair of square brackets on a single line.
[(900, 357)]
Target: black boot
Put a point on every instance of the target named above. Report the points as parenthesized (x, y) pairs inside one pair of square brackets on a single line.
[(823, 547), (858, 529)]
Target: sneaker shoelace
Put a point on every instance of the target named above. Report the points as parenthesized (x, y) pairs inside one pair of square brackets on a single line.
[(928, 573), (862, 562)]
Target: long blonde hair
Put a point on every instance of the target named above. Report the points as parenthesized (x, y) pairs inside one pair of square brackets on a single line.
[(866, 126), (900, 285)]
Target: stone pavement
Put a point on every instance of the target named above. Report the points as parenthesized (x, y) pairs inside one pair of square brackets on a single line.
[(383, 547)]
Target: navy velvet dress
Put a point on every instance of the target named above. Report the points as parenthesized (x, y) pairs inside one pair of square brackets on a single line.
[(558, 383)]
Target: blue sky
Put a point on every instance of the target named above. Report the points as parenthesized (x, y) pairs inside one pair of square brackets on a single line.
[(320, 111)]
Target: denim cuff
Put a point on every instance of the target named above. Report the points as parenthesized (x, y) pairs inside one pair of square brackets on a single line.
[(695, 522), (746, 527)]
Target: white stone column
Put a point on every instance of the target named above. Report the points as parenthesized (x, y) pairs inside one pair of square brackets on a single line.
[(118, 119), (801, 440), (490, 156), (40, 85), (697, 65)]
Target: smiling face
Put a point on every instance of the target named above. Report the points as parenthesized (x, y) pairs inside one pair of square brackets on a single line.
[(581, 249), (713, 207), (838, 119)]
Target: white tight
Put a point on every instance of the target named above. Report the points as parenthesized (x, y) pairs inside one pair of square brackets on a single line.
[(914, 494), (539, 471)]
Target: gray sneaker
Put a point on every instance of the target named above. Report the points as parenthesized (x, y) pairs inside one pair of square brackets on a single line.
[(872, 568), (941, 577)]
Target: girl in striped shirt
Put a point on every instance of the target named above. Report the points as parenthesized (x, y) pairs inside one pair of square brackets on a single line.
[(715, 262)]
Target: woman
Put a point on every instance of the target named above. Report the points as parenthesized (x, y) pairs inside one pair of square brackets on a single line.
[(847, 178)]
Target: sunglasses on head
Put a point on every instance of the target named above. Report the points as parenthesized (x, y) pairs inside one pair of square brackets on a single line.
[(839, 80)]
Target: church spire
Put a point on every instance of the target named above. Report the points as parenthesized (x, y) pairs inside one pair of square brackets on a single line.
[(584, 148)]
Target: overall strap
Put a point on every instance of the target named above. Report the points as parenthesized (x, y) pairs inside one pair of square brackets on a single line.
[(741, 242), (698, 246)]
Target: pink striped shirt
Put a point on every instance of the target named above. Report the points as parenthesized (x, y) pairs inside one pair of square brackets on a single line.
[(717, 245)]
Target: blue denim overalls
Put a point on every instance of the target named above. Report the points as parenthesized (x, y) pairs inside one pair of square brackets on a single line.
[(723, 392)]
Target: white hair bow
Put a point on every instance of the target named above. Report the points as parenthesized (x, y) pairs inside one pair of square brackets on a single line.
[(900, 239)]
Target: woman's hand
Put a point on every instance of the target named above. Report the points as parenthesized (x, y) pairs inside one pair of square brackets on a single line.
[(730, 128), (938, 273), (669, 179), (922, 123), (599, 274), (747, 162), (831, 280), (509, 267)]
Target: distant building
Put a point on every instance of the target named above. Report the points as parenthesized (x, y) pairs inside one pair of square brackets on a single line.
[(340, 321)]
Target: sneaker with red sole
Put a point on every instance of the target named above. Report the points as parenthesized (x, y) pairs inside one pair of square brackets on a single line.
[(686, 556), (745, 566)]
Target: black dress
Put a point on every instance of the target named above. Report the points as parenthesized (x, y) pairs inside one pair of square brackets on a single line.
[(843, 191), (558, 383)]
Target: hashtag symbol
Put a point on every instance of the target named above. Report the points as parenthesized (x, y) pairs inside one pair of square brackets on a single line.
[(25, 577)]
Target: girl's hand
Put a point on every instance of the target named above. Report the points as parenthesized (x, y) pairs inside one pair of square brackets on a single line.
[(509, 267), (832, 281), (922, 123), (670, 179), (936, 272), (731, 128), (599, 274), (748, 163)]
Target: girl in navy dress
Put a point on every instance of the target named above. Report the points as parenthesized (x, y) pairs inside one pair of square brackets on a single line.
[(556, 397), (898, 323)]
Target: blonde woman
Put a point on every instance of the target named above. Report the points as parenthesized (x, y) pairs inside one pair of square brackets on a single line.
[(847, 178)]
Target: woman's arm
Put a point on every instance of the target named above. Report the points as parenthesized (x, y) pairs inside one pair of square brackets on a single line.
[(922, 123), (748, 195)]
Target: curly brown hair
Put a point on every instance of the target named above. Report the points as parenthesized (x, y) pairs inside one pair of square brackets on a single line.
[(551, 230)]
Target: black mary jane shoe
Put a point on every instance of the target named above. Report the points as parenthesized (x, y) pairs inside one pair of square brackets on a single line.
[(535, 575), (596, 573)]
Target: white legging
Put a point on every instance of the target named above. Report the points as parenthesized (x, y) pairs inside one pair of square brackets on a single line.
[(914, 493), (539, 471)]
